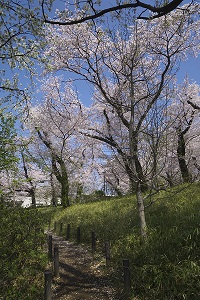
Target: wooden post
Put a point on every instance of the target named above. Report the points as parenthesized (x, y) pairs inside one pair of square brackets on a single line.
[(107, 253), (49, 224), (56, 261), (47, 285), (78, 235), (50, 247), (61, 228), (93, 242), (68, 232), (127, 276)]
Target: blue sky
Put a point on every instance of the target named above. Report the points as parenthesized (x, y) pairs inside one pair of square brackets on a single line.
[(191, 67)]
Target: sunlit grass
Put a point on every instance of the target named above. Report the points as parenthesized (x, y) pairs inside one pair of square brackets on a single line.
[(167, 266)]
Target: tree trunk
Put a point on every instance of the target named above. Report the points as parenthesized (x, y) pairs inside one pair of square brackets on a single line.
[(32, 194), (136, 168), (140, 174), (169, 179), (138, 178), (141, 212), (64, 194), (53, 192), (64, 186), (32, 188), (114, 187), (62, 177), (61, 174), (181, 157)]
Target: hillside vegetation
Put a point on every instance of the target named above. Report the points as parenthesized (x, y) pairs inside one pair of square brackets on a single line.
[(23, 258), (167, 265)]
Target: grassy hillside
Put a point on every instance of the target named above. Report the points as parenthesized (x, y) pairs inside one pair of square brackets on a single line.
[(167, 266)]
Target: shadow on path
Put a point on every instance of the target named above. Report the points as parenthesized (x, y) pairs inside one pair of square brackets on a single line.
[(81, 277)]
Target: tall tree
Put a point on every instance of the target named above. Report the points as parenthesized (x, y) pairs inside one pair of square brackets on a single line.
[(130, 72), (36, 167), (183, 116), (60, 173), (55, 122), (31, 190)]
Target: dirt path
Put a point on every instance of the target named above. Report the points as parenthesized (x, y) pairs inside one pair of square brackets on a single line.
[(81, 276)]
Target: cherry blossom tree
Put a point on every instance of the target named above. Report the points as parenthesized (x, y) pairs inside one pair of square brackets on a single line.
[(32, 172), (130, 73), (56, 122), (38, 163), (22, 35), (116, 181), (184, 116)]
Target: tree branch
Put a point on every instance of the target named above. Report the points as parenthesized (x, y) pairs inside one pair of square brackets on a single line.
[(159, 11), (195, 106)]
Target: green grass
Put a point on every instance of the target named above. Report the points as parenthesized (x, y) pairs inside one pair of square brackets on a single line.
[(22, 258), (109, 219), (167, 266)]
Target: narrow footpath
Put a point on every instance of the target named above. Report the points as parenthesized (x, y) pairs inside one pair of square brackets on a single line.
[(80, 276)]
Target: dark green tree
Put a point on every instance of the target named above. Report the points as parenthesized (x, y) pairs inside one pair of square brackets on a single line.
[(8, 156)]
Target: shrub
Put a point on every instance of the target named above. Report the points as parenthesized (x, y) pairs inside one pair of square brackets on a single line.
[(22, 259)]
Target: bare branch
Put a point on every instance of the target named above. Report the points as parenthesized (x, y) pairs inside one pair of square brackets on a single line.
[(158, 11)]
